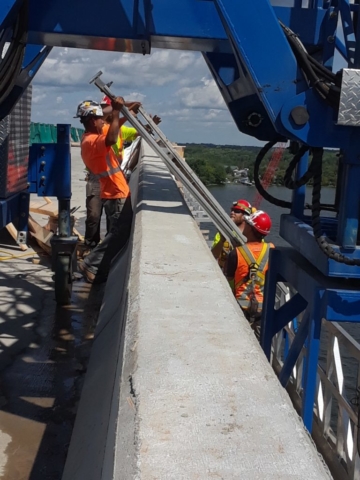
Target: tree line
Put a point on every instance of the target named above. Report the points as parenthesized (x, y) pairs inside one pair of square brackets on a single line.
[(214, 163)]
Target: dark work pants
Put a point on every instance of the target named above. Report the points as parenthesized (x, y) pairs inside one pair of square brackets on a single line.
[(119, 212), (94, 208)]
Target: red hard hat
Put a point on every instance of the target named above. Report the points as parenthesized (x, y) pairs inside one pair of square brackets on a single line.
[(260, 221), (105, 100), (243, 206)]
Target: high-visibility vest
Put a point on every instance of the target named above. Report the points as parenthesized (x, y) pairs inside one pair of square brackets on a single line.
[(253, 283), (104, 166)]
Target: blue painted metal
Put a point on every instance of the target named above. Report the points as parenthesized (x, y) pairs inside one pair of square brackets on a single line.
[(311, 364), (298, 197), (246, 33), (325, 297), (34, 57), (8, 10), (299, 234), (13, 209), (350, 201), (50, 168), (294, 351), (23, 219), (349, 35), (220, 27)]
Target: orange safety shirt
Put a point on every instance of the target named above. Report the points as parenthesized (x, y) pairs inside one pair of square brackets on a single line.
[(102, 162)]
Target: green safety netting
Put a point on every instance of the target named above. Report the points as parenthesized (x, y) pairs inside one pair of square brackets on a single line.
[(45, 133)]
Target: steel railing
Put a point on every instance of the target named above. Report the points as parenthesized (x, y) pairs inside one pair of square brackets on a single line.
[(336, 411)]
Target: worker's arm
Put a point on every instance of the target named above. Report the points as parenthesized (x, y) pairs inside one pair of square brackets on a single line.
[(230, 269), (122, 120), (217, 245), (113, 132), (133, 106)]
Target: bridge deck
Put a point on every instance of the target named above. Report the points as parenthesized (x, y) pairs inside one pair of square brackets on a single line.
[(190, 395)]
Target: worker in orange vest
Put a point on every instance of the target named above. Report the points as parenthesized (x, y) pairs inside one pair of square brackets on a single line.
[(101, 161), (247, 265)]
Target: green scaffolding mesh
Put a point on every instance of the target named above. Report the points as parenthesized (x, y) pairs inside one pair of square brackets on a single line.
[(45, 133)]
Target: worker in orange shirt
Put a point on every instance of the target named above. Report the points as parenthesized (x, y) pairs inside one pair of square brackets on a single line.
[(94, 204), (101, 161), (247, 265)]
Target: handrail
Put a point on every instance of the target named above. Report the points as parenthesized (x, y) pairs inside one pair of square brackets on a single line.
[(336, 416)]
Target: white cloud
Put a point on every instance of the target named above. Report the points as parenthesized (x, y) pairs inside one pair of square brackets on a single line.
[(70, 67), (136, 96), (205, 95), (175, 85)]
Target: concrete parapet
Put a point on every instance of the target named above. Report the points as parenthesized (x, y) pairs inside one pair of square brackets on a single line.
[(183, 391)]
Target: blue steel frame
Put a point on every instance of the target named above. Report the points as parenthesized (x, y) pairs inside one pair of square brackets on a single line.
[(50, 176), (318, 296)]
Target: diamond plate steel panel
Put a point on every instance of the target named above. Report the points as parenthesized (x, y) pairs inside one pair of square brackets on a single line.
[(349, 108)]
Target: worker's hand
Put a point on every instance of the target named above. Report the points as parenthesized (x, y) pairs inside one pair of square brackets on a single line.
[(117, 104), (156, 119), (133, 107)]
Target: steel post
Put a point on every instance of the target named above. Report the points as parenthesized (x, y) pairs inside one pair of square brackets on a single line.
[(310, 374), (349, 202), (298, 197)]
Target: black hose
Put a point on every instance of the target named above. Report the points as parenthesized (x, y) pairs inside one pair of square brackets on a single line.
[(260, 157), (277, 201), (325, 82), (315, 216), (11, 64), (288, 180)]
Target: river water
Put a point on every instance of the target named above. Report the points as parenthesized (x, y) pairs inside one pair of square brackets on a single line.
[(227, 194)]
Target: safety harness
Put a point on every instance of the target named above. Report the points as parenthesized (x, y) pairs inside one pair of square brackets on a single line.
[(255, 277)]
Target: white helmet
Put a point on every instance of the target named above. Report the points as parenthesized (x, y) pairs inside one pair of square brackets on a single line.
[(88, 108)]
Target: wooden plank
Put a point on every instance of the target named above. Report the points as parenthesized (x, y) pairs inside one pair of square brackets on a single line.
[(48, 208), (76, 232)]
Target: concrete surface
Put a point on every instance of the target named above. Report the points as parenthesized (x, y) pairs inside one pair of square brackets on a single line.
[(43, 356), (189, 394)]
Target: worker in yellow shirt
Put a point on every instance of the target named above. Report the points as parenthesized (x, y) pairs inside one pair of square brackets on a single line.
[(221, 247)]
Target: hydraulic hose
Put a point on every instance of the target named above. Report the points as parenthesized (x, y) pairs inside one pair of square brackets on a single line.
[(10, 65), (325, 82), (315, 216)]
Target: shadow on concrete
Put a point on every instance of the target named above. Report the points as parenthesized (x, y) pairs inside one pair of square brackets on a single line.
[(45, 349)]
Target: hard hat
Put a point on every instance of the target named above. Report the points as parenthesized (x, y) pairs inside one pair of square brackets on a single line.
[(105, 100), (260, 221), (241, 206), (88, 108)]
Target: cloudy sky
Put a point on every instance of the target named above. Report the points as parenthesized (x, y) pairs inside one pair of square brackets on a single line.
[(173, 84)]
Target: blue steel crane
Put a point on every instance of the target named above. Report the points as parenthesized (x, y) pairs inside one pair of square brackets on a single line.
[(273, 63)]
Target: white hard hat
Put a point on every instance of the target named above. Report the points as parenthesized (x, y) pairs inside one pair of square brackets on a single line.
[(88, 108)]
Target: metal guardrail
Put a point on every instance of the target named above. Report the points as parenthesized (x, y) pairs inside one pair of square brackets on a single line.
[(336, 411)]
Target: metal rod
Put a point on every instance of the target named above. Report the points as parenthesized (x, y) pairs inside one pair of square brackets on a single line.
[(180, 169)]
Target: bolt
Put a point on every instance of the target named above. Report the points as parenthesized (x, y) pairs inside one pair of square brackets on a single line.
[(254, 119), (300, 115)]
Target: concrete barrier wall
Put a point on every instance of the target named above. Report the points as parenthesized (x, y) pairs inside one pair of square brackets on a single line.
[(183, 391)]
